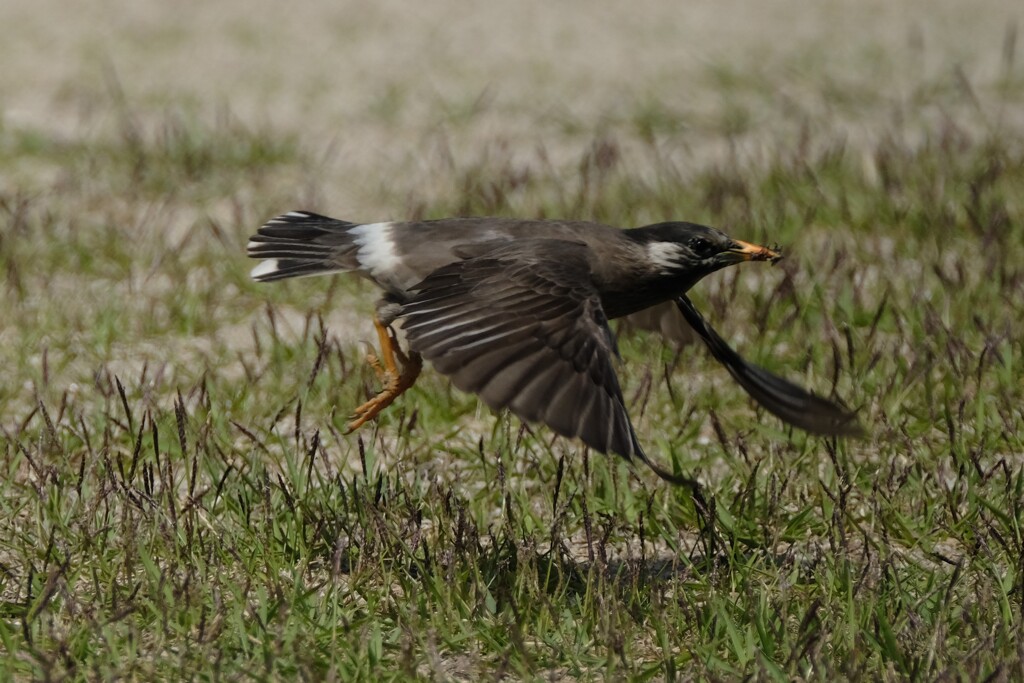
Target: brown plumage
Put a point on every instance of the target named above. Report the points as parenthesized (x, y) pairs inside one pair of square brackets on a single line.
[(517, 311)]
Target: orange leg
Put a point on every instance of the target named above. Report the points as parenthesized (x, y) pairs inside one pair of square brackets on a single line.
[(395, 381)]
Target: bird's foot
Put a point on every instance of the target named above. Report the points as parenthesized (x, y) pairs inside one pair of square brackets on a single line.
[(394, 386), (395, 380)]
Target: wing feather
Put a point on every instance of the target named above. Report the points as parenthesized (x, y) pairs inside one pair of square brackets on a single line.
[(522, 326)]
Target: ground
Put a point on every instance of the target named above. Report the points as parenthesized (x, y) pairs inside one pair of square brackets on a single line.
[(179, 499)]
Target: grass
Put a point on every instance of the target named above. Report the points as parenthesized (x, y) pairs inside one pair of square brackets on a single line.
[(178, 499)]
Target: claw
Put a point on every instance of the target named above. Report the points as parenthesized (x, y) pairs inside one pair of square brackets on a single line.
[(396, 382)]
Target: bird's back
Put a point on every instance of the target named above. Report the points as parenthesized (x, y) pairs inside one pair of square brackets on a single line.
[(397, 255)]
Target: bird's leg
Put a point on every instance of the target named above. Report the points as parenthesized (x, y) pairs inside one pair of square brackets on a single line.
[(387, 346), (396, 381)]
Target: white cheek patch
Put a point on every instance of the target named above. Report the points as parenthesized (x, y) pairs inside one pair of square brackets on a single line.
[(376, 248), (665, 255)]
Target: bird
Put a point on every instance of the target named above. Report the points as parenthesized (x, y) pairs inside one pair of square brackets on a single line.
[(517, 312)]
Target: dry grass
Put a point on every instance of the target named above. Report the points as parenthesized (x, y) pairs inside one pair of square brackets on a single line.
[(178, 500)]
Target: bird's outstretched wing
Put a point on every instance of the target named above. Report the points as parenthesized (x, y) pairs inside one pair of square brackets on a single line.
[(782, 398), (522, 326)]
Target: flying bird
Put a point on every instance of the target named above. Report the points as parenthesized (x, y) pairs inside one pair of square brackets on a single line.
[(517, 311)]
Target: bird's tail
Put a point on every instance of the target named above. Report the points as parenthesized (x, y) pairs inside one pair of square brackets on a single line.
[(300, 244)]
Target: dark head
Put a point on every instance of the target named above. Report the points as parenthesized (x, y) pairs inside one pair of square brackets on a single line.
[(696, 250)]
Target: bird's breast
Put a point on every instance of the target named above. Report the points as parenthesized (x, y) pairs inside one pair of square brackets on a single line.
[(640, 294)]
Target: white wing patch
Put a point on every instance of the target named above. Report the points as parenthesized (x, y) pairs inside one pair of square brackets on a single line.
[(376, 253), (666, 255)]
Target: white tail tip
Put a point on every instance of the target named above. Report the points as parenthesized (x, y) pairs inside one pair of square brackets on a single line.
[(264, 270)]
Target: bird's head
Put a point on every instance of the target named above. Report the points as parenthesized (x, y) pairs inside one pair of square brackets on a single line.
[(697, 250)]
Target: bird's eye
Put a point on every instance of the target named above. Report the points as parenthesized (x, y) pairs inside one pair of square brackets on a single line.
[(701, 246)]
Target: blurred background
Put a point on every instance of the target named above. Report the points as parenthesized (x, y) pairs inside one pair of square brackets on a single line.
[(198, 121), (370, 89)]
